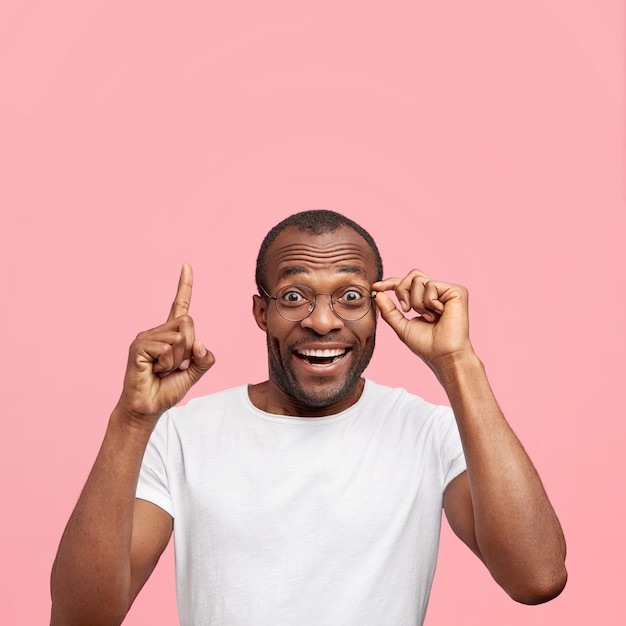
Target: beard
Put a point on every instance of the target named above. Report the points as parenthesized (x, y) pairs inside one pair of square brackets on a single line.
[(325, 390)]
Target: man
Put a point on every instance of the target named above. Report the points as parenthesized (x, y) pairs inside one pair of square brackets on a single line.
[(314, 497)]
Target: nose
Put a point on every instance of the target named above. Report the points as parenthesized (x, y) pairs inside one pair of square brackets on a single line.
[(322, 319)]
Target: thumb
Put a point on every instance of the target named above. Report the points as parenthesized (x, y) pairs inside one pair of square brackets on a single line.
[(201, 362), (390, 313)]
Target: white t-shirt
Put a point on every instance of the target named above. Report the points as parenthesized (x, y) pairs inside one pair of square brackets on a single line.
[(294, 521)]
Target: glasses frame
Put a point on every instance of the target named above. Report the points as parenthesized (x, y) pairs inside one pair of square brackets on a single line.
[(331, 302)]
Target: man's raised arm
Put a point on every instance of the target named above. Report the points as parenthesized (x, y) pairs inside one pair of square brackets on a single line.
[(113, 541), (499, 507)]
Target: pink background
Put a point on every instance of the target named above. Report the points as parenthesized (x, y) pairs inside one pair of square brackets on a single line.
[(480, 142)]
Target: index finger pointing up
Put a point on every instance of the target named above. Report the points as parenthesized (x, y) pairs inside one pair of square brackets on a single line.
[(181, 303)]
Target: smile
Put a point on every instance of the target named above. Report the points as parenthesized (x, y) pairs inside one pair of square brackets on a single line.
[(321, 356)]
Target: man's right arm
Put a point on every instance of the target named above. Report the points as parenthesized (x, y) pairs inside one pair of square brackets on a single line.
[(113, 541), (106, 555)]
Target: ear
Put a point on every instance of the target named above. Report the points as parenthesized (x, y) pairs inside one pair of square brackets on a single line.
[(376, 310), (259, 310)]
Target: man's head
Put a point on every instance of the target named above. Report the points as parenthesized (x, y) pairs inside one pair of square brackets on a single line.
[(315, 364), (314, 223)]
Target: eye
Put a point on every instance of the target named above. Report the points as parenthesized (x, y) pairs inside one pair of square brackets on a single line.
[(352, 295), (293, 296)]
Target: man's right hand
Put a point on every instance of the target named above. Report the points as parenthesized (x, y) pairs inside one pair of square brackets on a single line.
[(163, 363)]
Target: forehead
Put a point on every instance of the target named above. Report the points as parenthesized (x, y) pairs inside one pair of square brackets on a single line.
[(296, 252)]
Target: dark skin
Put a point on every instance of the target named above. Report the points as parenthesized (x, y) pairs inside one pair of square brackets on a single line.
[(113, 541), (498, 507), (296, 387)]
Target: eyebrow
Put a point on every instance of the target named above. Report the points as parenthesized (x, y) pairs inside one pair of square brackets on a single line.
[(298, 269)]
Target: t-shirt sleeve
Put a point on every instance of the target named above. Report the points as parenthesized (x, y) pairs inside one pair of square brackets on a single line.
[(153, 483), (451, 453)]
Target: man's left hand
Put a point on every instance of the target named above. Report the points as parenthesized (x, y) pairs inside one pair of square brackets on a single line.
[(441, 329)]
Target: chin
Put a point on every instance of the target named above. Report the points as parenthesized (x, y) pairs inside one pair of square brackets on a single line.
[(317, 392), (320, 393), (322, 397)]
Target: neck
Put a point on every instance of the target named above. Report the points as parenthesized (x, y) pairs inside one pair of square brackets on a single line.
[(271, 398)]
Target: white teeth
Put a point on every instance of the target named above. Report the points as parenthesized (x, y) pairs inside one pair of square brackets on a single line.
[(322, 354)]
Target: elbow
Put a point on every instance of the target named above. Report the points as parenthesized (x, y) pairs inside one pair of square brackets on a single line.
[(59, 616), (542, 589), (72, 607)]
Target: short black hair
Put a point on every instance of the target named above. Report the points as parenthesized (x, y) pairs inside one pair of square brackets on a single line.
[(316, 222)]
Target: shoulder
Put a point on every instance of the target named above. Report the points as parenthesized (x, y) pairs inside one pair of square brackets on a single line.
[(204, 408), (419, 430), (399, 399), (225, 397), (396, 405)]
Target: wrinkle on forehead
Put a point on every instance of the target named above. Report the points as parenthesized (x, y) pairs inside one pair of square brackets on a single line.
[(342, 257), (341, 251)]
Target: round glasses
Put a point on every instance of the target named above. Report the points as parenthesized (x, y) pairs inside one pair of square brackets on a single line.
[(296, 302)]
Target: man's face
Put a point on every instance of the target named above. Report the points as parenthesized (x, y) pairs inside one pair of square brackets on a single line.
[(305, 382)]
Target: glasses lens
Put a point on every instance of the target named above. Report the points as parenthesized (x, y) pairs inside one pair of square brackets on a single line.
[(351, 303), (295, 302)]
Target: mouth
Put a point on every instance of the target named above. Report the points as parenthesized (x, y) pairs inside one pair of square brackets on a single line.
[(326, 356)]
